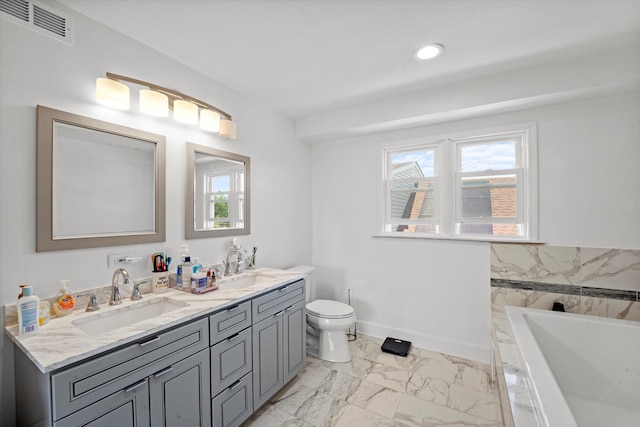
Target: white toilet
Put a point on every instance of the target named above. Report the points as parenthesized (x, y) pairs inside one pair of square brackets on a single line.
[(327, 323)]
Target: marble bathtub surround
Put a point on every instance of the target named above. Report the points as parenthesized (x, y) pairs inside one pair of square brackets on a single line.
[(590, 281), (595, 302), (593, 281), (379, 389), (586, 267), (516, 401)]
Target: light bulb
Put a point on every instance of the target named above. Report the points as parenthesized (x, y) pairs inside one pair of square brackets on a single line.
[(185, 112), (154, 103), (112, 93)]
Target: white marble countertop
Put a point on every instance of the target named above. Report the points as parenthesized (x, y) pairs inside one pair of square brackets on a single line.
[(60, 343)]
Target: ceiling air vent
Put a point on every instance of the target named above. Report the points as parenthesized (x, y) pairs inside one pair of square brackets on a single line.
[(39, 17), (16, 8), (49, 21)]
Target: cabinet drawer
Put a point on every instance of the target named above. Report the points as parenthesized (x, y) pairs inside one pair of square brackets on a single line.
[(234, 405), (279, 299), (128, 407), (230, 360), (82, 385), (229, 321)]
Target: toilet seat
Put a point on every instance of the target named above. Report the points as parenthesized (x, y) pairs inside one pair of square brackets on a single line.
[(328, 309)]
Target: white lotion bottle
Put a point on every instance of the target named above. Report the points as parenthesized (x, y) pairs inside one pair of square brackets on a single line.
[(28, 306)]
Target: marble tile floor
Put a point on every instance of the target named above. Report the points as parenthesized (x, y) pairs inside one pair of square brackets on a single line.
[(378, 389)]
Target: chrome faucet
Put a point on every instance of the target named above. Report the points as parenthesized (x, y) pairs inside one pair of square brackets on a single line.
[(239, 261), (115, 290)]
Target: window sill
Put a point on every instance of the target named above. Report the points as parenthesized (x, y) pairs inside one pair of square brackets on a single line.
[(460, 238)]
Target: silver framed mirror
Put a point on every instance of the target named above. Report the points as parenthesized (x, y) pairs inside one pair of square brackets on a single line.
[(217, 193), (97, 183)]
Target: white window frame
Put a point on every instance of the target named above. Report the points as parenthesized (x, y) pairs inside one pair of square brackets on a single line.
[(235, 196), (435, 219), (448, 210)]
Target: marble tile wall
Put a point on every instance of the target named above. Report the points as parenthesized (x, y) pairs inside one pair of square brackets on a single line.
[(594, 281)]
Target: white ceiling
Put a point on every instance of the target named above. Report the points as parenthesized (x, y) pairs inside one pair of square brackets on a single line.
[(308, 57)]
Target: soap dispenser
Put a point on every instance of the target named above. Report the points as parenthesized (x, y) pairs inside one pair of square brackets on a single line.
[(64, 301)]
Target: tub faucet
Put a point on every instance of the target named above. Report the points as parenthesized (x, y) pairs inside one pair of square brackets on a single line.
[(115, 290), (239, 261)]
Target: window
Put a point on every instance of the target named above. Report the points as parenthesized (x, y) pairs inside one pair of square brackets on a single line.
[(469, 187), (225, 199)]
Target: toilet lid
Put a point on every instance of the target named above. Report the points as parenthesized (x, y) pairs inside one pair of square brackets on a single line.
[(329, 309)]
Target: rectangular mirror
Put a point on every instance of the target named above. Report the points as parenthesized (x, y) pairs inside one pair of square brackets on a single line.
[(98, 184), (217, 193)]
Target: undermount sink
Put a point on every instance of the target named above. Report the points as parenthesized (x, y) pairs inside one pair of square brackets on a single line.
[(244, 281), (126, 316)]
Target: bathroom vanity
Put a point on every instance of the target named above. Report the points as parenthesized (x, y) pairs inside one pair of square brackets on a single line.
[(214, 360)]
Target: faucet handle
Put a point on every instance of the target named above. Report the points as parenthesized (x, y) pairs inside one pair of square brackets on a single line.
[(136, 294), (115, 296), (239, 263), (92, 305)]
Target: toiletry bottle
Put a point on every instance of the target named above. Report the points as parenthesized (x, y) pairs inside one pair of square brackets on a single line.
[(187, 271), (28, 312), (64, 302)]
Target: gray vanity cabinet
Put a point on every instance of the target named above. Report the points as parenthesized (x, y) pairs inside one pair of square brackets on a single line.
[(179, 394), (121, 386), (279, 333), (214, 371)]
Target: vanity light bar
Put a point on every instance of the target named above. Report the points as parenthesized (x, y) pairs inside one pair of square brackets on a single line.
[(157, 100)]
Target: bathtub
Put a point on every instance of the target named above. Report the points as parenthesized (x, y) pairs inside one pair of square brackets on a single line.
[(581, 370)]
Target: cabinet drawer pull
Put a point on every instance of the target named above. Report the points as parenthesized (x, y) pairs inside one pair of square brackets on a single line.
[(164, 371), (233, 308), (233, 337), (151, 341), (288, 308), (278, 313), (135, 386), (234, 385), (285, 288)]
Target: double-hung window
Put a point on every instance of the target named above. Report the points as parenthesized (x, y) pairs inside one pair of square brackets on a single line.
[(463, 187), (224, 192)]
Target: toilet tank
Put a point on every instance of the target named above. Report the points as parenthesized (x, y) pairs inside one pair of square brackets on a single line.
[(307, 270)]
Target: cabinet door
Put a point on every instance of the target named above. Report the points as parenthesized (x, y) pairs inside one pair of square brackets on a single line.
[(295, 337), (179, 394), (126, 408), (268, 376)]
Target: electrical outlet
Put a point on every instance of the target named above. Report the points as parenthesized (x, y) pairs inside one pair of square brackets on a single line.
[(118, 260)]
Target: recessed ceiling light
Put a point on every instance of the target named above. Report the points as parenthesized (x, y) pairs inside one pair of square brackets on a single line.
[(428, 51)]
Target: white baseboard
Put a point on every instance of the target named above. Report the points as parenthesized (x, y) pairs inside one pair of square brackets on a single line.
[(429, 342)]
